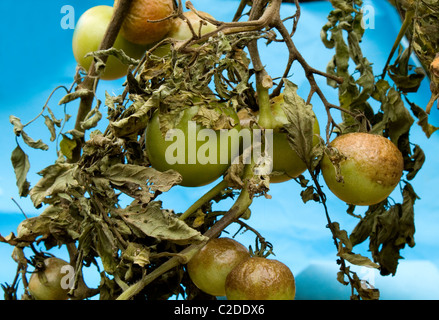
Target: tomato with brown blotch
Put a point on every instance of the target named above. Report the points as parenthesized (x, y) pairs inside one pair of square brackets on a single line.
[(46, 282), (260, 278), (210, 266), (370, 167)]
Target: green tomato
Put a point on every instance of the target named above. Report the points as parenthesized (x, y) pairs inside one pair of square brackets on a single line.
[(260, 279), (285, 159), (210, 266), (370, 166), (87, 37), (199, 154), (286, 163), (46, 282)]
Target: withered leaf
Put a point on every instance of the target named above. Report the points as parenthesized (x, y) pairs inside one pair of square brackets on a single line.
[(137, 254), (301, 121), (105, 245), (54, 222), (391, 231), (422, 117), (39, 144), (160, 224), (141, 182), (92, 119), (74, 95), (55, 179), (21, 165), (16, 122)]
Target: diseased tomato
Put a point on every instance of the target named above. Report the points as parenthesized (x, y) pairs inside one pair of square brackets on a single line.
[(209, 268), (370, 165), (259, 278), (47, 282)]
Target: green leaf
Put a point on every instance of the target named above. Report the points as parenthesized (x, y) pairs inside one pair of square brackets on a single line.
[(21, 165), (160, 224), (67, 146)]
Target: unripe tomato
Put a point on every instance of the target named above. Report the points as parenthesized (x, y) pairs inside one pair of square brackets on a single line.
[(285, 159), (260, 279), (87, 37), (286, 163), (371, 167), (209, 268), (46, 283), (139, 27), (188, 152)]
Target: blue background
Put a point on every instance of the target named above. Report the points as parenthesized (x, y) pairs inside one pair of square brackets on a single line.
[(36, 57)]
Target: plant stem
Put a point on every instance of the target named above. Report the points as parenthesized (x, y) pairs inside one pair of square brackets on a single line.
[(91, 80), (205, 198), (405, 25)]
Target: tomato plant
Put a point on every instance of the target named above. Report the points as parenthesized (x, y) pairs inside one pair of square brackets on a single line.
[(102, 198)]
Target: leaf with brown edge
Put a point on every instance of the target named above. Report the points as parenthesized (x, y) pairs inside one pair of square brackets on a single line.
[(161, 224)]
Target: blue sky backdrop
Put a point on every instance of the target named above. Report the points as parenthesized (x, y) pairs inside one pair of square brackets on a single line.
[(36, 57)]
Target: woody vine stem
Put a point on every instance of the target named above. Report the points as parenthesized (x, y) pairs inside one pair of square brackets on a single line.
[(264, 14)]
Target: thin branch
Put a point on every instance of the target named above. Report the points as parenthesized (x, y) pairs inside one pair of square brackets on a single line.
[(205, 198), (91, 80)]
